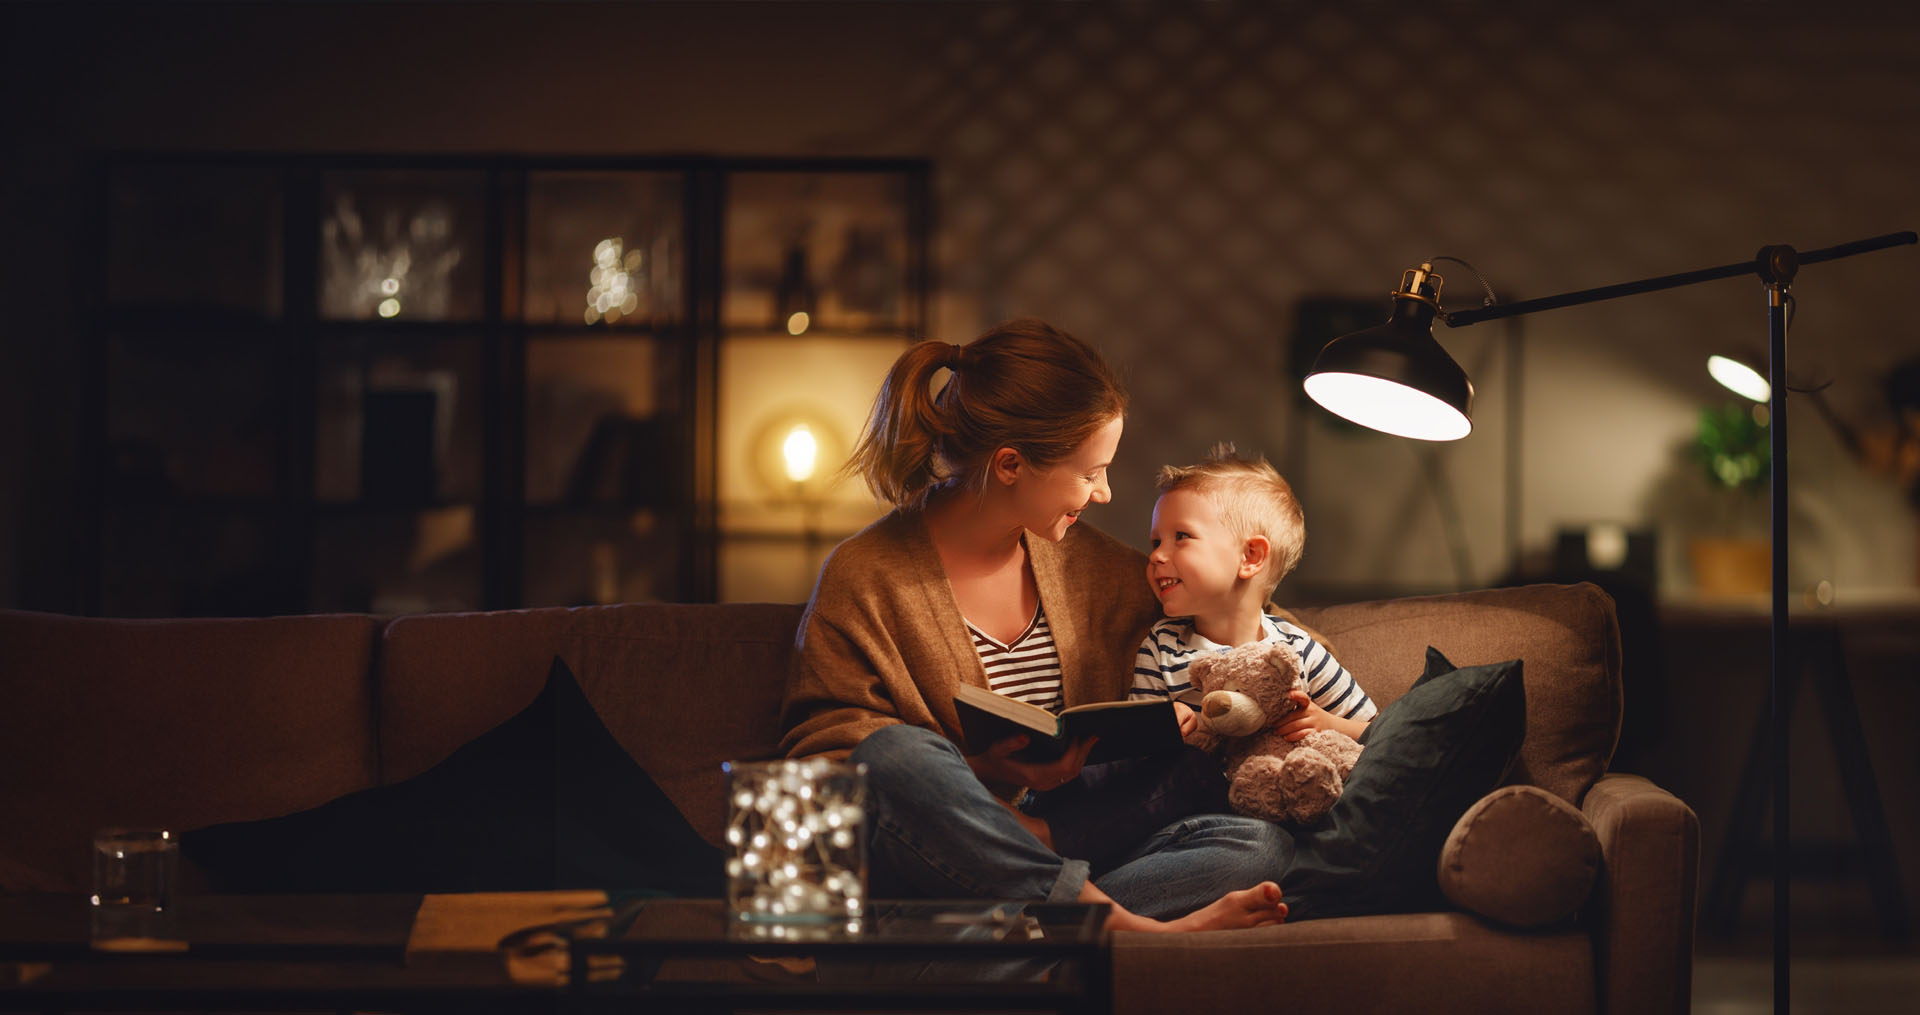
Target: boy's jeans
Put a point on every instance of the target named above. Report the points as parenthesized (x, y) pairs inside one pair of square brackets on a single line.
[(937, 833)]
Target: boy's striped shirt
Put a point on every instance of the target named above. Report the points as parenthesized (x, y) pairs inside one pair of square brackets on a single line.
[(1160, 667)]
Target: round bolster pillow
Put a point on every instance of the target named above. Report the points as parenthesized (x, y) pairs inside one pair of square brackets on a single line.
[(1521, 856)]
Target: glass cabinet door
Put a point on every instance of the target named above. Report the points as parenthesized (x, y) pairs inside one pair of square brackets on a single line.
[(816, 306), (398, 472), (607, 389), (402, 245), (399, 391)]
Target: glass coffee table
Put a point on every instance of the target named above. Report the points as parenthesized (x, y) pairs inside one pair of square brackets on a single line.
[(684, 954)]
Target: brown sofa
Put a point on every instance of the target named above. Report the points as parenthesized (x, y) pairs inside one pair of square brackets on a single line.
[(195, 723)]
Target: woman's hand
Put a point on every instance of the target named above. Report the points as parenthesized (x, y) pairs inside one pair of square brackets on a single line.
[(1312, 717), (997, 764)]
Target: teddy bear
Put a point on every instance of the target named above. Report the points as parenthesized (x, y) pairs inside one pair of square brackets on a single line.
[(1244, 694)]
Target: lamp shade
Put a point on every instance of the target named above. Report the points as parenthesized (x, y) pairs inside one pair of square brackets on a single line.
[(1395, 378)]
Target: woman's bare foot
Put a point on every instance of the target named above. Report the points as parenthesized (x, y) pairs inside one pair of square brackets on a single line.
[(1258, 906)]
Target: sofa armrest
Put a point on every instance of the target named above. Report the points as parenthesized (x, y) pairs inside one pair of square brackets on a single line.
[(1643, 918)]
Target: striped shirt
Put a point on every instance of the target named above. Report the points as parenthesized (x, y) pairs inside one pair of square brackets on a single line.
[(1027, 668), (1160, 667)]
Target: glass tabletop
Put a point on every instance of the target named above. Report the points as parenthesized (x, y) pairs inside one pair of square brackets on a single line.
[(899, 955), (916, 924)]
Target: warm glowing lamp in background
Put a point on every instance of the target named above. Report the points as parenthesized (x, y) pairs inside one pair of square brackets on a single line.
[(801, 452), (1397, 379), (796, 453)]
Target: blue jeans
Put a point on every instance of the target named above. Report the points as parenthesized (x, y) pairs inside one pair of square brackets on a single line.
[(1101, 815), (937, 833)]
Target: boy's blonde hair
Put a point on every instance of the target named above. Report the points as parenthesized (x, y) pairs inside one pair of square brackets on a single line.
[(1253, 500)]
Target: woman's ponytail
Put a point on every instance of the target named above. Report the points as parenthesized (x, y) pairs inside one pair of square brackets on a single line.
[(898, 454), (1024, 385)]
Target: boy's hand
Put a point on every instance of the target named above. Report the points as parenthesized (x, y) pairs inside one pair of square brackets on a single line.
[(1312, 717), (1189, 722)]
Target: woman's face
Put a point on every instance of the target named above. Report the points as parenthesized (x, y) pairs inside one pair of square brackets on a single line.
[(1049, 499)]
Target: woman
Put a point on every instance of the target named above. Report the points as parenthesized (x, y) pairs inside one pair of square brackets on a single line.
[(983, 560)]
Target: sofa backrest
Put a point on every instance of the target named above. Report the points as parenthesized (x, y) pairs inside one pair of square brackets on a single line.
[(171, 723), (683, 688), (686, 688), (1567, 637), (446, 678)]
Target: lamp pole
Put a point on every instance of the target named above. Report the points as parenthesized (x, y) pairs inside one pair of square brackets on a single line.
[(1776, 265)]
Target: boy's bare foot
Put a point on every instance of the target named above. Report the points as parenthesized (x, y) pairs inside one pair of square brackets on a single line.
[(1259, 906)]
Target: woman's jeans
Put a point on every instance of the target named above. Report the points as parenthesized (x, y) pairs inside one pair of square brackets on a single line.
[(937, 833)]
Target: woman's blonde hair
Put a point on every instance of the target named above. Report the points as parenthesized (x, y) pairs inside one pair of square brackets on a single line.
[(1253, 500), (1024, 385)]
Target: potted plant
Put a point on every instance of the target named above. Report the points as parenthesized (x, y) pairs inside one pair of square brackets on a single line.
[(1731, 445)]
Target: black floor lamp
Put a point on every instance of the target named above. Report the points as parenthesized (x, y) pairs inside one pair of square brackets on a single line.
[(1395, 378)]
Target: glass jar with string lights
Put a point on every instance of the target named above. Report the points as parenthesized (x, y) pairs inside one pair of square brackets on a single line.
[(797, 858)]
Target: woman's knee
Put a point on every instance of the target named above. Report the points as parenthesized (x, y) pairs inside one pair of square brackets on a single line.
[(898, 742), (902, 758)]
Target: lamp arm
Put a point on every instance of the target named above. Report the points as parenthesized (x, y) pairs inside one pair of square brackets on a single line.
[(1772, 263)]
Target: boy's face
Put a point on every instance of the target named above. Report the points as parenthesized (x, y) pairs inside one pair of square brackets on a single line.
[(1194, 564)]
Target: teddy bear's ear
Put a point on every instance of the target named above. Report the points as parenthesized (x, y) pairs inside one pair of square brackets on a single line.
[(1198, 669)]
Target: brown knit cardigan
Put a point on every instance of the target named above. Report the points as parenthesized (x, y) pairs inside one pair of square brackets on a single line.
[(883, 641)]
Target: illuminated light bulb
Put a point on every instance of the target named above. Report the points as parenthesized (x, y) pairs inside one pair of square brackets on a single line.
[(390, 286), (630, 304), (1739, 378), (797, 323), (800, 451), (389, 308), (633, 261)]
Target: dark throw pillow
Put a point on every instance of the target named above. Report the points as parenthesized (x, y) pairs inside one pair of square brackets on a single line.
[(1429, 756), (546, 800)]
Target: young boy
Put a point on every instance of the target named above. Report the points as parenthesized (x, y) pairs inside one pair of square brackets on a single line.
[(1224, 533)]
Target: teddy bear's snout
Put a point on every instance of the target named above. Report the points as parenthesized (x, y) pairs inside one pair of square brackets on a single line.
[(1231, 714)]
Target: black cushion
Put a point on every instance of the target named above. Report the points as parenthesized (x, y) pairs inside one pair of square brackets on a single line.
[(546, 800), (1429, 756)]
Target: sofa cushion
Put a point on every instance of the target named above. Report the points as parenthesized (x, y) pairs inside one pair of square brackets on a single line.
[(1520, 856), (1429, 755), (545, 800), (1568, 635), (171, 723), (1414, 962)]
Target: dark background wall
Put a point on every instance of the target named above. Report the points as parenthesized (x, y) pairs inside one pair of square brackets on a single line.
[(1168, 180)]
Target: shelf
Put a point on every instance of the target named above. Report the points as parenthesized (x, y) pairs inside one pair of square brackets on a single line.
[(518, 451)]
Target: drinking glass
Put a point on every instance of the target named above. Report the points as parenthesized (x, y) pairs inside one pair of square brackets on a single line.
[(133, 882)]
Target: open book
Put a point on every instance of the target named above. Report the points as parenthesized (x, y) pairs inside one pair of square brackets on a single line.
[(1127, 729)]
